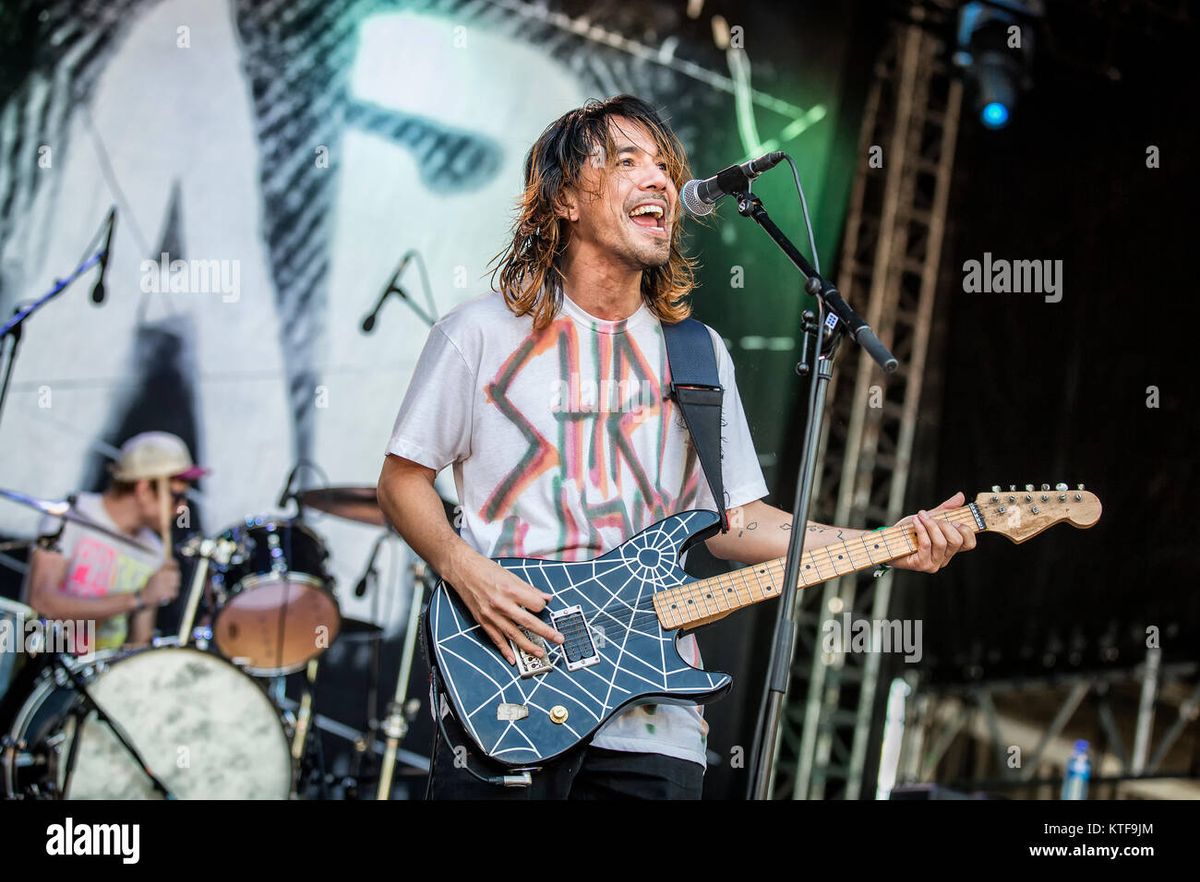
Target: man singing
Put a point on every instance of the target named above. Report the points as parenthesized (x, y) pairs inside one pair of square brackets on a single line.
[(547, 399)]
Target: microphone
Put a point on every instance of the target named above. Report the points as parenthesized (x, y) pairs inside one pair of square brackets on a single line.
[(700, 197), (368, 323), (98, 290), (361, 588)]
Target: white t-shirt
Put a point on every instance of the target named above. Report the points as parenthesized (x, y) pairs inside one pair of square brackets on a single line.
[(563, 448), (98, 566)]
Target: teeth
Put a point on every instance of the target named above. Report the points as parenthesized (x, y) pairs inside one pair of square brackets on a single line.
[(655, 210)]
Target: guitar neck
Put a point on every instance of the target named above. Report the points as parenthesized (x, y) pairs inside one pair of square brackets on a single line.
[(706, 600)]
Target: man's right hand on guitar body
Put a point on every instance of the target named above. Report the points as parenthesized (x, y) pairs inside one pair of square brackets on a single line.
[(501, 603)]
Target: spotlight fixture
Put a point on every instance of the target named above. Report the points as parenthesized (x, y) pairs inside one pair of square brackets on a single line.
[(994, 48)]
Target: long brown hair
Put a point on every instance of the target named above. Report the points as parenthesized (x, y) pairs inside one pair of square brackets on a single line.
[(529, 269)]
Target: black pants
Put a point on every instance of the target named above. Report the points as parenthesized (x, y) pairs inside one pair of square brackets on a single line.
[(587, 773)]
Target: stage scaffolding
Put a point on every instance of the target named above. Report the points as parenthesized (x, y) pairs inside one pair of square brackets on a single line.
[(890, 258)]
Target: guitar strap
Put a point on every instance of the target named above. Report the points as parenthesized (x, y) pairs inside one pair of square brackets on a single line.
[(696, 387)]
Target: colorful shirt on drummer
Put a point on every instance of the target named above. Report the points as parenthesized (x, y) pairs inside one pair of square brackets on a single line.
[(98, 566)]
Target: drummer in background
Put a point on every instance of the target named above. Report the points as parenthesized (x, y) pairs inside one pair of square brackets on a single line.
[(80, 574)]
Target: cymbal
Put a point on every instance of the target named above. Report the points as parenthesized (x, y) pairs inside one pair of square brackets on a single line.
[(65, 510), (354, 504)]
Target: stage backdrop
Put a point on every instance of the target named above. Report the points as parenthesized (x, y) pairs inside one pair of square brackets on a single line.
[(290, 153)]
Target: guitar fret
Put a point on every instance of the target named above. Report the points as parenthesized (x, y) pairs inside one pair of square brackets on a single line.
[(708, 598), (758, 581), (690, 598), (829, 555), (810, 563), (753, 589), (847, 565), (718, 595)]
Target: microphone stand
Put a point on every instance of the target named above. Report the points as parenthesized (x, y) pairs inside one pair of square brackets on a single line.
[(841, 318), (13, 327), (430, 318)]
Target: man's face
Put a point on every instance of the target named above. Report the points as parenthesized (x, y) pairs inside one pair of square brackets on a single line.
[(626, 204), (149, 507)]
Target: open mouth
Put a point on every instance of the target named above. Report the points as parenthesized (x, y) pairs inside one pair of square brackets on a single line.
[(650, 216)]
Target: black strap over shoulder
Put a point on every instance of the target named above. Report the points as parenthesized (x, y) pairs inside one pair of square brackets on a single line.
[(696, 388)]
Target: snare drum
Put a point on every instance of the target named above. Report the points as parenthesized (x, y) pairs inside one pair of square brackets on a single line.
[(275, 607), (205, 728)]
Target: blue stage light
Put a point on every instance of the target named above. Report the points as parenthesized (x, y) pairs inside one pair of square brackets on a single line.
[(994, 115)]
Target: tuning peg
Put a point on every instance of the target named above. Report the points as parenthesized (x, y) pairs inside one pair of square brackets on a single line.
[(1028, 488), (995, 488), (1078, 486), (1060, 487), (1012, 487), (1045, 487)]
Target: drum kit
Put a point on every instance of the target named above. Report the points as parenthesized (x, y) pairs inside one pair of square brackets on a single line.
[(201, 713)]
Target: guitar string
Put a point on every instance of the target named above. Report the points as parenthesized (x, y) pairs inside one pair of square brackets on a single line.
[(644, 613)]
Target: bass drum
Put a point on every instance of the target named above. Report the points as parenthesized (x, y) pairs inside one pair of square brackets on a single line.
[(207, 730), (275, 609)]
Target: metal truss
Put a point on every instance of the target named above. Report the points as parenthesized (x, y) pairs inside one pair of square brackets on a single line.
[(1016, 749), (889, 270)]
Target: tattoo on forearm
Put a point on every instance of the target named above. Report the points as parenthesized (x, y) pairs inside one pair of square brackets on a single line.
[(821, 528)]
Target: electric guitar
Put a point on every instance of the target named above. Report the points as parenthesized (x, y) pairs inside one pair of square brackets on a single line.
[(622, 612)]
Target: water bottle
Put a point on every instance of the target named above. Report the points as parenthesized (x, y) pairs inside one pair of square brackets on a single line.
[(1079, 769)]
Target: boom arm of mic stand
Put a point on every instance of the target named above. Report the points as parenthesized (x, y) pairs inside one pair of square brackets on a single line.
[(12, 328), (751, 206)]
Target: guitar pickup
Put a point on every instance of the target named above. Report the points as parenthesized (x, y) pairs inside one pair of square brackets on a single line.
[(579, 648)]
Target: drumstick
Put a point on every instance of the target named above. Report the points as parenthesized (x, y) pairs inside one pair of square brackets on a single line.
[(164, 505)]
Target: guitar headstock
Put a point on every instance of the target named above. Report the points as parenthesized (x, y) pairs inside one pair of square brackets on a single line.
[(1021, 514)]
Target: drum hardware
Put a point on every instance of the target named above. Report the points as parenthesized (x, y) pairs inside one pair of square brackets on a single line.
[(65, 510), (90, 705), (363, 741), (223, 551), (401, 713), (304, 715)]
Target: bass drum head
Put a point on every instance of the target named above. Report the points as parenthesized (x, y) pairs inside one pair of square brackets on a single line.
[(273, 625), (207, 730)]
